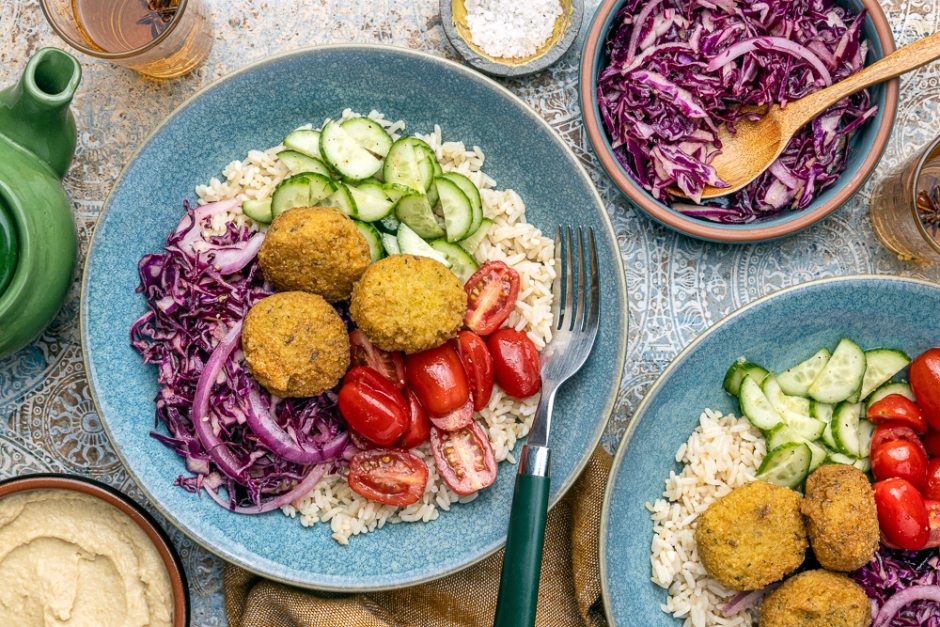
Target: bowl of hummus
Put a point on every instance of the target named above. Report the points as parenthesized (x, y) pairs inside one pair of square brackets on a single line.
[(77, 552)]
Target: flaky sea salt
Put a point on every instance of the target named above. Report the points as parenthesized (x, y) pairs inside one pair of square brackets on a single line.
[(511, 28)]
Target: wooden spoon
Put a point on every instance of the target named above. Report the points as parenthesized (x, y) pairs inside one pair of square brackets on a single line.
[(756, 145)]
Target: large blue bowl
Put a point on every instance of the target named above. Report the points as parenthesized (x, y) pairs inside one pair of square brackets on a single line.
[(776, 331), (257, 106)]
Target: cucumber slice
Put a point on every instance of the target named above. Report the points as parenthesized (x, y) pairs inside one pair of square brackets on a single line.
[(827, 437), (473, 242), (389, 224), (426, 169), (369, 134), (736, 373), (258, 210), (809, 428), (292, 192), (842, 375), (458, 212), (845, 429), (755, 406), (415, 211), (820, 411), (376, 251), (297, 163), (390, 243), (401, 166), (863, 464), (346, 156), (368, 207), (464, 263), (423, 149), (468, 188), (395, 191), (786, 466), (410, 243), (902, 388), (320, 187), (306, 142), (796, 380), (341, 199), (375, 189), (782, 434), (881, 365), (839, 458), (866, 429), (433, 196)]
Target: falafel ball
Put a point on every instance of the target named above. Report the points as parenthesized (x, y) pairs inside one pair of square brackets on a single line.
[(314, 249), (753, 536), (816, 598), (295, 344), (842, 519), (408, 303)]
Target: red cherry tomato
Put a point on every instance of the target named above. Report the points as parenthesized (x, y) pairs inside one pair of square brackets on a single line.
[(363, 352), (457, 419), (896, 408), (464, 458), (902, 514), (931, 488), (491, 295), (372, 406), (437, 378), (900, 459), (891, 431), (925, 381), (515, 363), (419, 427), (931, 441), (933, 518), (392, 476), (478, 366)]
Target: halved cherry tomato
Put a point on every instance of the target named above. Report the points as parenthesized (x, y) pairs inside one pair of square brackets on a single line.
[(925, 381), (902, 514), (363, 352), (464, 458), (491, 295), (392, 476), (437, 378), (372, 406), (358, 441), (897, 408), (478, 366), (901, 459), (931, 488), (457, 419), (933, 519), (891, 431), (931, 441), (419, 427), (515, 363)]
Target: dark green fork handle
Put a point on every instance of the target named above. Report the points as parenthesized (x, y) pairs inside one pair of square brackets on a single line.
[(522, 563)]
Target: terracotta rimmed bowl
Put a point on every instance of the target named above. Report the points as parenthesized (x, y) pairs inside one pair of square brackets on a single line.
[(171, 559), (867, 146)]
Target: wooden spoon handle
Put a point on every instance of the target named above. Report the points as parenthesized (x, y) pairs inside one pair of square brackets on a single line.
[(908, 58)]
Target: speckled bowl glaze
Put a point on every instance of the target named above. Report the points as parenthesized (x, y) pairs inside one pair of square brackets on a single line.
[(868, 144), (777, 331), (250, 109)]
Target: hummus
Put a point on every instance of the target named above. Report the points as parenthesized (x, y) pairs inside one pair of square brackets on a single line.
[(70, 559)]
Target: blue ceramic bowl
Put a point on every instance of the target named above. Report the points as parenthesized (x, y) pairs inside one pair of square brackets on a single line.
[(257, 106), (867, 146), (776, 331)]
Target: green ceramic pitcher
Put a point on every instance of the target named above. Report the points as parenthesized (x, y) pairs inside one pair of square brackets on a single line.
[(38, 241)]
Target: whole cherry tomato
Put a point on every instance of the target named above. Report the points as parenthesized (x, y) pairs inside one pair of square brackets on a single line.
[(891, 431), (457, 419), (931, 489), (897, 408), (900, 459), (516, 363), (902, 514), (478, 366), (464, 458), (419, 427), (437, 378), (372, 406), (931, 441), (363, 352), (925, 381), (491, 296), (933, 518), (392, 476)]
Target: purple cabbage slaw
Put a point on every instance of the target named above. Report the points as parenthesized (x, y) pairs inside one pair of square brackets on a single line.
[(678, 69), (198, 291), (894, 571)]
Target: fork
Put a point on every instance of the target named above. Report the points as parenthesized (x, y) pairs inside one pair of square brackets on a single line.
[(576, 318)]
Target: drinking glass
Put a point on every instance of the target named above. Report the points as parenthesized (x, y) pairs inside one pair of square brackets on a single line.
[(179, 49)]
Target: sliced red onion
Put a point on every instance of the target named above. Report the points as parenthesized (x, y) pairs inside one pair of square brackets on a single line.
[(899, 599), (638, 26), (783, 173), (200, 214), (232, 259), (310, 481), (777, 44), (746, 599)]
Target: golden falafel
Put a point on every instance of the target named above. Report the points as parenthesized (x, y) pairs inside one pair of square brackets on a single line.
[(816, 598), (314, 249), (295, 344), (842, 519), (753, 536), (408, 303)]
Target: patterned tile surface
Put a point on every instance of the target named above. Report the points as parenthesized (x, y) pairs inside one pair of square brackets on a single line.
[(678, 287)]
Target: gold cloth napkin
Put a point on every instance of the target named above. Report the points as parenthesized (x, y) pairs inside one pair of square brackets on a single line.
[(569, 592)]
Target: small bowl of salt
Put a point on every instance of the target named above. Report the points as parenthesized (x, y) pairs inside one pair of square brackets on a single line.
[(511, 37)]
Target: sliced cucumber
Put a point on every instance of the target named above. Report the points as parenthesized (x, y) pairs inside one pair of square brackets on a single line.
[(415, 211), (782, 434), (809, 428), (827, 436), (389, 224), (368, 207), (839, 458), (401, 166), (346, 156), (297, 162), (426, 169), (376, 251), (390, 243), (433, 195), (845, 430), (476, 238), (820, 411), (458, 212), (863, 464), (292, 192), (258, 210), (320, 187), (755, 406), (304, 141), (738, 371), (410, 243), (866, 429), (468, 188), (786, 466), (369, 134), (902, 388), (464, 263), (374, 189), (842, 375), (341, 199), (796, 380), (881, 365)]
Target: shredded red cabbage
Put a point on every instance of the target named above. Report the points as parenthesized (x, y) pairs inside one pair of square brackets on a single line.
[(198, 291), (892, 571), (678, 69)]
